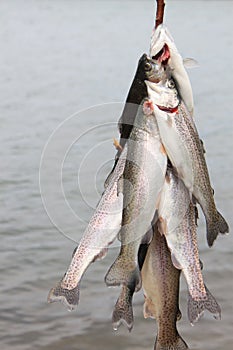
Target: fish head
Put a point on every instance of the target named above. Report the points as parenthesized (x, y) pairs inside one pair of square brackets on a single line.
[(161, 44), (154, 71), (164, 96), (164, 50), (150, 69)]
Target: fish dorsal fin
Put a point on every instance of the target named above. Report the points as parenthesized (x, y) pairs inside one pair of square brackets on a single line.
[(190, 63)]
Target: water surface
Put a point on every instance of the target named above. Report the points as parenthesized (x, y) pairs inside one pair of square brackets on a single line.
[(60, 57)]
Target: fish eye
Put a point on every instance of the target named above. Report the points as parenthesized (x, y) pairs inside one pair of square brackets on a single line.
[(148, 66), (171, 84)]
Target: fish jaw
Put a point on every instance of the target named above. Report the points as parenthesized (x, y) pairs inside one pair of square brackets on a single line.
[(163, 95), (161, 37)]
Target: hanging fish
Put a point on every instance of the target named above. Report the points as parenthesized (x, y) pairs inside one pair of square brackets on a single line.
[(160, 282), (99, 234), (185, 151), (143, 179), (177, 222)]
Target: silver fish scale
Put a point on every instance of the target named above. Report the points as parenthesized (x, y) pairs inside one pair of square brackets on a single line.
[(177, 217), (202, 189)]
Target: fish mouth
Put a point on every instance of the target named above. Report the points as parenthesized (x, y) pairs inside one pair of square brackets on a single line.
[(168, 109), (163, 55)]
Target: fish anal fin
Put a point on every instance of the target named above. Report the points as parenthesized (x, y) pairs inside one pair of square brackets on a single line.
[(162, 226), (179, 315), (148, 308), (147, 238), (101, 255), (120, 185), (158, 200), (176, 262), (162, 149)]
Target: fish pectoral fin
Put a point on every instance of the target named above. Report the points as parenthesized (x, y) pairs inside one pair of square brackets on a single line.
[(101, 255), (120, 185), (162, 225), (148, 308), (179, 315), (117, 145), (176, 262), (147, 238)]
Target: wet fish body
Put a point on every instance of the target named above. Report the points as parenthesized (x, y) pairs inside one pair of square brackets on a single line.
[(160, 281), (137, 92), (185, 151), (99, 234), (143, 179), (178, 223), (123, 309), (167, 96)]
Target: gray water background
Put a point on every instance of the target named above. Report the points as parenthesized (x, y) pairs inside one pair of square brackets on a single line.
[(57, 58)]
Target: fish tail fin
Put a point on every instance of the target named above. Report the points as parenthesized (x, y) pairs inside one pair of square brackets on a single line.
[(213, 229), (178, 344), (69, 298), (123, 310), (119, 273), (196, 307)]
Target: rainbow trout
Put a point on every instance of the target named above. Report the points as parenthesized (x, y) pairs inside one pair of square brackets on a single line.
[(177, 222), (185, 151), (168, 99), (146, 69), (160, 282), (143, 178), (99, 234)]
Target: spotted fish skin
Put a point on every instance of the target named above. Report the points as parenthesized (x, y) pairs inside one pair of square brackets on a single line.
[(177, 222), (99, 234), (185, 151), (123, 309), (143, 179), (160, 282)]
